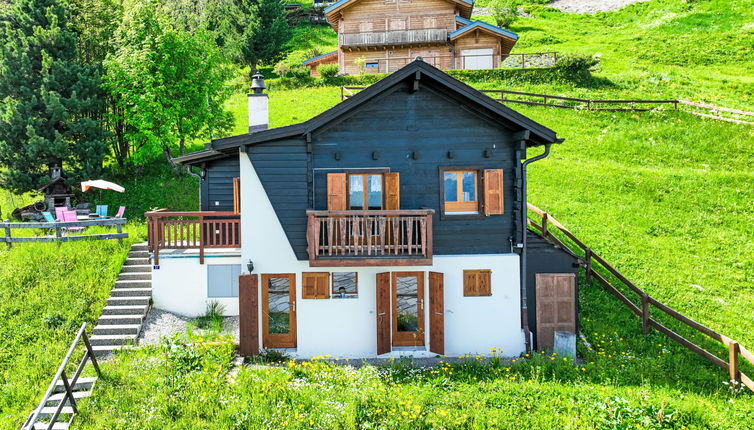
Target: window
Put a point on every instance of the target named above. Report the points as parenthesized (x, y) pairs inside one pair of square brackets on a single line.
[(365, 191), (222, 280), (373, 65), (460, 194), (477, 283), (315, 285), (345, 285)]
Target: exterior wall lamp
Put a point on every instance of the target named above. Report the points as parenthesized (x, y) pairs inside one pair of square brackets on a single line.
[(250, 266)]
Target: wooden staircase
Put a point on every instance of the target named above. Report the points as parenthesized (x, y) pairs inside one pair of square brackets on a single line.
[(122, 317)]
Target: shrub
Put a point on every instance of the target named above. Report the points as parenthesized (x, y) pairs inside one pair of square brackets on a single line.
[(327, 70), (361, 63), (505, 12), (282, 69), (213, 316), (299, 72)]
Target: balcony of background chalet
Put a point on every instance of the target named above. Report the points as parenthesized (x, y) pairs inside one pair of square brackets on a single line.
[(192, 231), (393, 37), (370, 237)]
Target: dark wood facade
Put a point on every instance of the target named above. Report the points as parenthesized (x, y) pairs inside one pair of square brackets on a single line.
[(216, 192)]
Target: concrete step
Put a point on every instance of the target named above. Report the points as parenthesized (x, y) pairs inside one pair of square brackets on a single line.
[(112, 329), (112, 339), (56, 426), (131, 292), (83, 383), (138, 268), (134, 276), (135, 300), (138, 283), (136, 262), (125, 310), (48, 411), (139, 247), (120, 319), (105, 350), (138, 254), (54, 399)]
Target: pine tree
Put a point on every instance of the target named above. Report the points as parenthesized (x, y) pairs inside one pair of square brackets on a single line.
[(50, 101), (264, 31)]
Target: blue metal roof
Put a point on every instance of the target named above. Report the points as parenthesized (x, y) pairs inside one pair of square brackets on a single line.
[(340, 3), (463, 20), (482, 24), (318, 57)]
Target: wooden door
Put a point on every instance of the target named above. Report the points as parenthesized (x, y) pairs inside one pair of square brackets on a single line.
[(556, 306), (436, 313), (279, 310), (408, 308), (383, 313), (248, 315)]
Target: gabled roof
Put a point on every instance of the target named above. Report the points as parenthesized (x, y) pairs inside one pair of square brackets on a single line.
[(319, 57), (340, 3), (463, 20), (496, 111), (482, 25), (333, 12)]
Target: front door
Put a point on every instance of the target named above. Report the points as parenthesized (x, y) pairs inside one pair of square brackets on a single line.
[(279, 310), (408, 308), (556, 306)]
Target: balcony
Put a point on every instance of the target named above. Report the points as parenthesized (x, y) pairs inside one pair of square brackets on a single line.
[(393, 38), (192, 230), (370, 238)]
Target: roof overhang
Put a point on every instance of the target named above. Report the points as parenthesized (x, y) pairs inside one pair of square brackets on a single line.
[(333, 12), (319, 58), (416, 71), (483, 26)]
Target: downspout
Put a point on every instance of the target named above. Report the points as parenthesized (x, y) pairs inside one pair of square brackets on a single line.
[(199, 176), (522, 245)]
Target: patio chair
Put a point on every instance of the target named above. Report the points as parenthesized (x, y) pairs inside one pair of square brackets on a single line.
[(121, 211), (102, 210), (70, 216), (48, 217), (59, 212)]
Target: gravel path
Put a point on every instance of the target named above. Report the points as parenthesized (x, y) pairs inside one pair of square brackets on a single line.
[(591, 6), (161, 324)]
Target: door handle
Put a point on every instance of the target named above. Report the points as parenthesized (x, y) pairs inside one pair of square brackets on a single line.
[(293, 306), (381, 314)]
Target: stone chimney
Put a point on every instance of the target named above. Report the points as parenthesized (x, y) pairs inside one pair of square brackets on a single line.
[(259, 115)]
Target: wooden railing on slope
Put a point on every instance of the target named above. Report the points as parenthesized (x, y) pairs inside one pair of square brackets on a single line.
[(192, 230), (61, 228), (613, 105), (68, 385), (590, 260)]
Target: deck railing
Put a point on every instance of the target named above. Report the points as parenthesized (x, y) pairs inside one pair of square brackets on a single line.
[(394, 37), (385, 237), (192, 230)]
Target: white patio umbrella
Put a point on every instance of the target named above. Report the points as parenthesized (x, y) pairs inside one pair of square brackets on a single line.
[(101, 184)]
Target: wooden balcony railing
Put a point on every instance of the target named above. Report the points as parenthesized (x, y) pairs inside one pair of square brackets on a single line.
[(394, 37), (192, 230), (374, 238)]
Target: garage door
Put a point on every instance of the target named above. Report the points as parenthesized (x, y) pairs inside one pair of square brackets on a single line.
[(474, 59)]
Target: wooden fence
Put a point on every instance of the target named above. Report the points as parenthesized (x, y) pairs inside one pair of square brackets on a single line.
[(68, 398), (62, 231), (593, 262), (615, 105)]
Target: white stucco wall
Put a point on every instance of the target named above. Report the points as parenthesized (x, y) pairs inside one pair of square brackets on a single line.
[(347, 327)]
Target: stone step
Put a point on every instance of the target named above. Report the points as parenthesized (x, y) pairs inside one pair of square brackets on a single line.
[(112, 339), (111, 329), (131, 292), (133, 276), (136, 262), (138, 254), (138, 268), (105, 350), (125, 310), (54, 399), (138, 283), (56, 426), (120, 319), (83, 383), (139, 247), (134, 300), (48, 411)]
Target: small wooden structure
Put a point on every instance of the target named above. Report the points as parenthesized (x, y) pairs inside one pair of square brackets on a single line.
[(57, 192)]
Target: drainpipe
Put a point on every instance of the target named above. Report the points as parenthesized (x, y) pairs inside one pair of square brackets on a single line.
[(522, 245)]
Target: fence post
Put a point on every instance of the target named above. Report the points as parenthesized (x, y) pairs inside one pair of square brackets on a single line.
[(7, 235), (201, 239), (69, 392), (588, 266), (733, 368), (644, 313), (544, 224), (119, 230), (90, 352), (58, 234)]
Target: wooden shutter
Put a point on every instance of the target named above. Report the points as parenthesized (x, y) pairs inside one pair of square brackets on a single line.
[(336, 191), (436, 313), (556, 306), (383, 313), (493, 192), (237, 195), (477, 283), (392, 191), (315, 285)]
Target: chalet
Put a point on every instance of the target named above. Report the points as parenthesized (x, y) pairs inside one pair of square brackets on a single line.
[(393, 223), (381, 36)]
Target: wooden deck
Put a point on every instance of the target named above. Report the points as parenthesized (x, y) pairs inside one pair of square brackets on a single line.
[(192, 230), (393, 38)]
